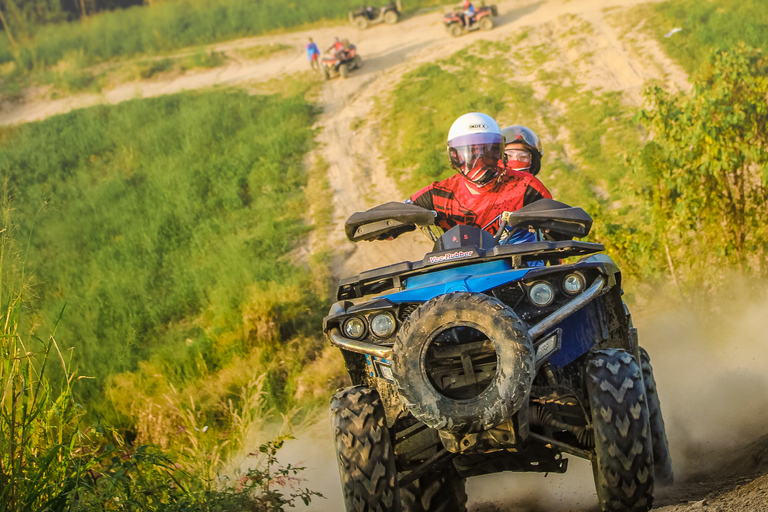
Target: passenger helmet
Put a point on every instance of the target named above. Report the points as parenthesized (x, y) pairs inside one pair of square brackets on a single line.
[(475, 147), (521, 135)]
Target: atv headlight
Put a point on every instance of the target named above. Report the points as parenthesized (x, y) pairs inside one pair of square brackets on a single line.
[(354, 328), (383, 325), (541, 294), (573, 283)]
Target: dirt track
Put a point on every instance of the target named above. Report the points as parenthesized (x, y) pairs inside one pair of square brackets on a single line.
[(706, 399)]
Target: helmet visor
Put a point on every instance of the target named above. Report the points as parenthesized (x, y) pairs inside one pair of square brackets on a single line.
[(476, 155)]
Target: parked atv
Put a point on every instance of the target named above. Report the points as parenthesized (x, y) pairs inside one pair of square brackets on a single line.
[(344, 61), (490, 356), (482, 20), (364, 16)]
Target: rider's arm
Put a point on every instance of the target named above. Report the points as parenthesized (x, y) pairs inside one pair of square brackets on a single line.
[(535, 191)]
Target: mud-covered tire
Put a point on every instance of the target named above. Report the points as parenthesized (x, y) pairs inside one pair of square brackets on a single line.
[(361, 22), (455, 29), (391, 17), (326, 73), (507, 390), (443, 492), (623, 463), (486, 23), (357, 62), (344, 70), (662, 462), (364, 451)]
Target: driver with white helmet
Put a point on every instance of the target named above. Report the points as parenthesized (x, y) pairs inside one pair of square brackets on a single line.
[(483, 187)]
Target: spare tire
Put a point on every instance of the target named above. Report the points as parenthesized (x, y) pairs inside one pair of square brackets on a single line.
[(463, 362)]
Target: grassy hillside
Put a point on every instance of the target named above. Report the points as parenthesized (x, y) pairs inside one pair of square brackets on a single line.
[(159, 229), (706, 26)]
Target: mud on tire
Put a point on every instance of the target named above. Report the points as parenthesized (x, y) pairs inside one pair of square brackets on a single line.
[(662, 462), (502, 379), (364, 451), (443, 492), (623, 466)]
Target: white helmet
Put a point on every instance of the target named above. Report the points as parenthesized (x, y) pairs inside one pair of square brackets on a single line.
[(475, 147)]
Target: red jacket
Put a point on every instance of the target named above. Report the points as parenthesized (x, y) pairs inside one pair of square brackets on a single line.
[(455, 204)]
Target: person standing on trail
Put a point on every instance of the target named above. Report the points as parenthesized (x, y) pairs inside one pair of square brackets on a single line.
[(469, 11), (522, 149), (483, 187), (313, 54)]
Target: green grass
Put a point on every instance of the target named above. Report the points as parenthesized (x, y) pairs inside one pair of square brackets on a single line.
[(706, 26), (154, 222)]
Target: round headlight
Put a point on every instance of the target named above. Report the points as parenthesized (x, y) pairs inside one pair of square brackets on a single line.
[(541, 294), (354, 328), (573, 283), (383, 325)]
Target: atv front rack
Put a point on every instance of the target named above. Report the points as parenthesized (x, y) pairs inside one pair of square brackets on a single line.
[(536, 332), (381, 279)]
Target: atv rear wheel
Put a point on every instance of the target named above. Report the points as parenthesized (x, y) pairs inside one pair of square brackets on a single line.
[(455, 29), (463, 362), (623, 463), (391, 17), (361, 22), (344, 70), (364, 451), (662, 463), (486, 23), (434, 492)]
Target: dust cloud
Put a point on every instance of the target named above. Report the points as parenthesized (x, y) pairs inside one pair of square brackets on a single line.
[(710, 368)]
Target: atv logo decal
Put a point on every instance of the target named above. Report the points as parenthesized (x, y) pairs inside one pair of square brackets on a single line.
[(477, 126), (451, 256)]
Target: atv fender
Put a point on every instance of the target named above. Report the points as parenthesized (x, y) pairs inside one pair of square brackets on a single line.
[(611, 270)]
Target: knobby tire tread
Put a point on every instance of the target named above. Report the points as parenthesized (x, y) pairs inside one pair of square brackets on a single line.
[(364, 451), (623, 465), (443, 492), (662, 462)]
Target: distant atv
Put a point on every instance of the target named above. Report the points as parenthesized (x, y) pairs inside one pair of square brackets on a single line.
[(490, 356), (364, 16), (482, 20), (342, 63)]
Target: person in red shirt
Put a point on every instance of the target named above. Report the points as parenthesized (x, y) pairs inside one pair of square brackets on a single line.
[(483, 187)]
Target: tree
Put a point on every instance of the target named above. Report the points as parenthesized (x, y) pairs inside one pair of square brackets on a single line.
[(706, 167)]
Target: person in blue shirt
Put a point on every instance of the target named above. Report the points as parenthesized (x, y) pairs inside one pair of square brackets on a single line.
[(469, 12), (313, 54)]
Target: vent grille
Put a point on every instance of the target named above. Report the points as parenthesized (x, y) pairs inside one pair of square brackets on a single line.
[(510, 294)]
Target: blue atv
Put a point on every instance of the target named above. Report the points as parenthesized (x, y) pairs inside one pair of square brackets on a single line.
[(489, 356)]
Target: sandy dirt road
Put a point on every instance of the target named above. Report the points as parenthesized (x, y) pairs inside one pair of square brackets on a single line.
[(714, 397)]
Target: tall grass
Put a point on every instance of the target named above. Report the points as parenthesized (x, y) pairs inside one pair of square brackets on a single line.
[(53, 458), (165, 229)]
